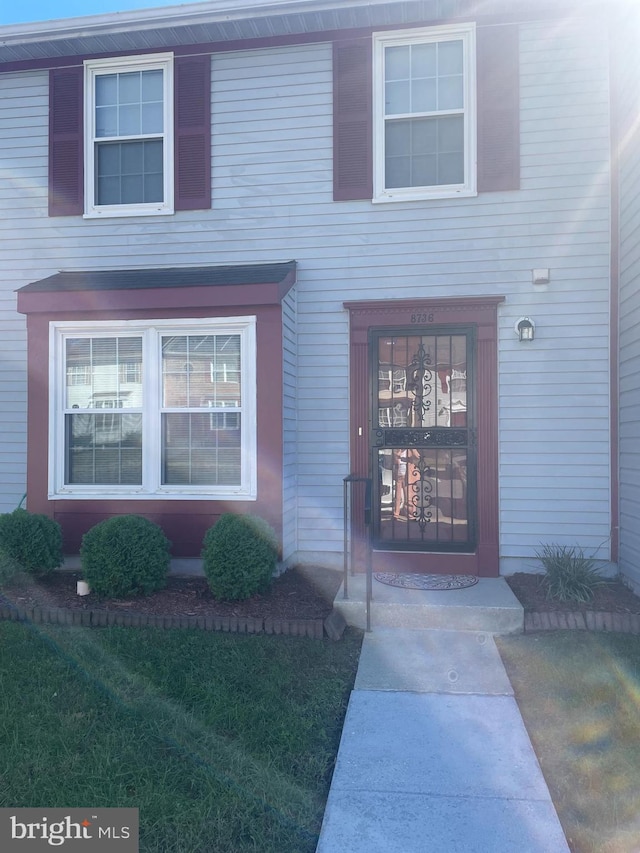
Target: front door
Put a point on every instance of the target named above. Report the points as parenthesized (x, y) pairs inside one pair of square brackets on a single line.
[(424, 429), (422, 444)]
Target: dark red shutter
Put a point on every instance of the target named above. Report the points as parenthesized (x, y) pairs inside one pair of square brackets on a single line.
[(498, 108), (192, 87), (66, 157), (352, 120)]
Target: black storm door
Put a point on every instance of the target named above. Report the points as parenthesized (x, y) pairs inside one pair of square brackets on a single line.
[(423, 449)]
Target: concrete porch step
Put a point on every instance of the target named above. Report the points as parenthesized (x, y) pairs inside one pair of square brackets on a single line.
[(487, 606)]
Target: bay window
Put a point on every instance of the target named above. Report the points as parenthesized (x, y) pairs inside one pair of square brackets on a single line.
[(153, 408)]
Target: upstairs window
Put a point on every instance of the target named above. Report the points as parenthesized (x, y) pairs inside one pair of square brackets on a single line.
[(129, 136), (424, 114), (76, 132)]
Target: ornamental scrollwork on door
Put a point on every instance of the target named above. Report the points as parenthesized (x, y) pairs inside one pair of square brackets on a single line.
[(420, 493), (435, 437), (419, 386)]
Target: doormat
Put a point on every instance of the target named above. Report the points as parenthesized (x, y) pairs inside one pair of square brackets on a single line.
[(417, 581)]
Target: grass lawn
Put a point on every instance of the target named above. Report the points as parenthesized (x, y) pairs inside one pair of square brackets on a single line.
[(579, 694), (225, 743)]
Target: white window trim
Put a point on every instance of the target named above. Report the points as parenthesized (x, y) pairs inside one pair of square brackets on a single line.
[(465, 32), (151, 331), (95, 67)]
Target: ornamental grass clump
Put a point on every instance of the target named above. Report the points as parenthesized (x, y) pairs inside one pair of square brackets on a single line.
[(239, 556), (569, 575), (125, 556), (29, 542)]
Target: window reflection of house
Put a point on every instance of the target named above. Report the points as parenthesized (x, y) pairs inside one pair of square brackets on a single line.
[(393, 416), (201, 372), (422, 381), (130, 371), (78, 374), (199, 403)]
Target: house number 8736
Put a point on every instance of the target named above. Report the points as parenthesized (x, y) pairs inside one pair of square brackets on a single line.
[(422, 318)]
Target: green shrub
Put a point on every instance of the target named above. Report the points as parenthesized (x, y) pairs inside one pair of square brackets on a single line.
[(8, 569), (239, 556), (569, 575), (29, 542), (125, 556)]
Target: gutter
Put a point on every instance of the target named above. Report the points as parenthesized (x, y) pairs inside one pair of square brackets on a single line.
[(217, 11), (184, 15)]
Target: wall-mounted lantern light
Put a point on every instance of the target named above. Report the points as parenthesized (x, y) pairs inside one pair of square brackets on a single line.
[(525, 329)]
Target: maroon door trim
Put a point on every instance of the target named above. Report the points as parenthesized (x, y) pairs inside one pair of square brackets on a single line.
[(480, 312)]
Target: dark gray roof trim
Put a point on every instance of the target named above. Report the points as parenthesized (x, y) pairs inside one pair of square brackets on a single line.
[(283, 273), (210, 24), (161, 33)]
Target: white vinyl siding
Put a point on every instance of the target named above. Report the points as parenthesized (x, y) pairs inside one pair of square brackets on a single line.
[(23, 198), (628, 88), (272, 181)]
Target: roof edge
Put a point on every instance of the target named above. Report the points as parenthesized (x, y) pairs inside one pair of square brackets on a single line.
[(143, 278), (185, 14)]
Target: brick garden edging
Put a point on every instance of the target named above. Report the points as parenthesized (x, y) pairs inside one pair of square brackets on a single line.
[(314, 628), (591, 620), (332, 626)]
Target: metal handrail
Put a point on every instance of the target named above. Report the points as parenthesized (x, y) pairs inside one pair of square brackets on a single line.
[(348, 549)]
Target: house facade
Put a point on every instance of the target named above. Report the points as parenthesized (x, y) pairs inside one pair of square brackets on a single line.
[(250, 250)]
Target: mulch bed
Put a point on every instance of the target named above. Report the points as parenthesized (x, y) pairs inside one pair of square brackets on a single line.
[(299, 602), (614, 607)]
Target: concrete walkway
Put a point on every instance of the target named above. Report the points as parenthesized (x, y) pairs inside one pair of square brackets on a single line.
[(434, 756)]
